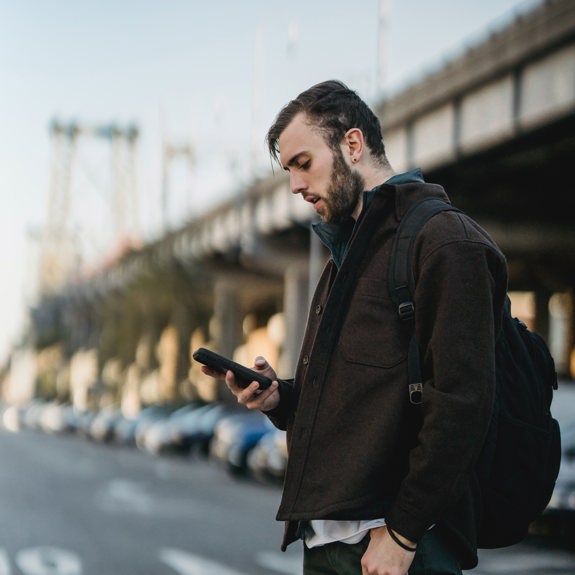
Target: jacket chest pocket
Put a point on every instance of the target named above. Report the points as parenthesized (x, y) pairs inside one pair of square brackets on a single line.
[(372, 334)]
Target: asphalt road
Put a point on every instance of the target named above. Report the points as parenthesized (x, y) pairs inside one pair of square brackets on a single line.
[(72, 507)]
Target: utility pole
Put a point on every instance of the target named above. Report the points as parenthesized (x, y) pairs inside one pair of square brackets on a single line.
[(257, 99), (56, 251), (59, 251), (124, 195), (382, 47), (170, 153)]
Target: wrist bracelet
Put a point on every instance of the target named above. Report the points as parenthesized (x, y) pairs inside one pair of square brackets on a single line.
[(399, 542)]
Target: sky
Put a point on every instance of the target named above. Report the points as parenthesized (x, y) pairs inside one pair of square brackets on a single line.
[(208, 75)]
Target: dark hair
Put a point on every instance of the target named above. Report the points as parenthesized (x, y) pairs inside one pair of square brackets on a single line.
[(334, 109)]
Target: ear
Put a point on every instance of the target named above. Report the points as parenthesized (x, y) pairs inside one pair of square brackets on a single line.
[(354, 144)]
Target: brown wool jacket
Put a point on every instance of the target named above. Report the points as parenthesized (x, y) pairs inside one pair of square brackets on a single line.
[(357, 448)]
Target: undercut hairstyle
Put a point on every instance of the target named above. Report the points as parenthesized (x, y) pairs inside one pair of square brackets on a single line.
[(334, 109)]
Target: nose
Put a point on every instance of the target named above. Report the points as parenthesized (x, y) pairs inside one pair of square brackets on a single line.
[(297, 183)]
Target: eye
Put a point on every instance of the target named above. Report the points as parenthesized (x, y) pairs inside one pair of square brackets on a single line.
[(305, 165)]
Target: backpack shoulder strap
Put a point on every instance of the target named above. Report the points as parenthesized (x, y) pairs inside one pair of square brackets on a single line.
[(401, 281)]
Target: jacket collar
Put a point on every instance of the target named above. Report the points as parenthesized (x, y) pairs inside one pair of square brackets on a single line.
[(336, 236), (408, 194)]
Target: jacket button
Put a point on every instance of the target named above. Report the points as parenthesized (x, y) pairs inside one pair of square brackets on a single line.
[(318, 309), (305, 359)]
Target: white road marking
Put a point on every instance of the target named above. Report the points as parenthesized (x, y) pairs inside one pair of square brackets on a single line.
[(125, 495), (187, 563), (4, 563), (48, 561), (281, 563)]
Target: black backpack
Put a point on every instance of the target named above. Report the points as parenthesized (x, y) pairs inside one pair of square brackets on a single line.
[(520, 459)]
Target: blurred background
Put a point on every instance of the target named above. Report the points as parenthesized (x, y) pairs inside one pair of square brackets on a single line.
[(142, 217)]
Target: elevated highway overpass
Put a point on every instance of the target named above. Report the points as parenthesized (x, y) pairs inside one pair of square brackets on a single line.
[(496, 127)]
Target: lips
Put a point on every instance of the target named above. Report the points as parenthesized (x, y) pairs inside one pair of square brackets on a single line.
[(312, 199)]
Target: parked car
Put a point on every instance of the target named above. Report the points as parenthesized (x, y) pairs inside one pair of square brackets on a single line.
[(124, 429), (102, 426), (149, 417), (32, 413), (57, 418), (182, 434), (235, 436), (12, 417), (127, 430), (267, 461), (196, 429), (84, 420), (159, 437)]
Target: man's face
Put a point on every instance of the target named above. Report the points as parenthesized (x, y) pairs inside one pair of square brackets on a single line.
[(320, 174)]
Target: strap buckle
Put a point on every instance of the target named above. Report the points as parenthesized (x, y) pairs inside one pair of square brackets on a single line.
[(415, 393), (406, 310)]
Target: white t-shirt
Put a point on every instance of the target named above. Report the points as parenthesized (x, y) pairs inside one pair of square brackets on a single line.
[(329, 531)]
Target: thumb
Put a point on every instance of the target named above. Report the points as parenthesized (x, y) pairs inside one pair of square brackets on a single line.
[(261, 362)]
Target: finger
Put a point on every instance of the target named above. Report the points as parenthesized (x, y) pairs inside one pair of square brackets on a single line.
[(230, 379), (252, 396), (250, 392), (260, 396), (265, 393), (212, 372)]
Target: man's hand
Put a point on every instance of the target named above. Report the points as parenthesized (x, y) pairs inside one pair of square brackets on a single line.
[(384, 556), (252, 396)]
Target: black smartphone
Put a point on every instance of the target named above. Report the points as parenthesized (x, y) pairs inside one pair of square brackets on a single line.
[(244, 375)]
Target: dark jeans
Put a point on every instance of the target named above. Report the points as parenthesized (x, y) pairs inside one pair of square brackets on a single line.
[(431, 558)]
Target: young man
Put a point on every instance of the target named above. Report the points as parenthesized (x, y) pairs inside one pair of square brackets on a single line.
[(375, 484)]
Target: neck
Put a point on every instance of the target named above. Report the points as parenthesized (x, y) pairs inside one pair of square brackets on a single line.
[(377, 175), (372, 176)]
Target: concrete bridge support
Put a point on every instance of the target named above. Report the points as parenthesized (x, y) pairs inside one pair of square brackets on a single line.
[(226, 323), (296, 290)]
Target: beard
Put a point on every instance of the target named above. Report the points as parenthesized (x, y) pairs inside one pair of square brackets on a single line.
[(344, 191)]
